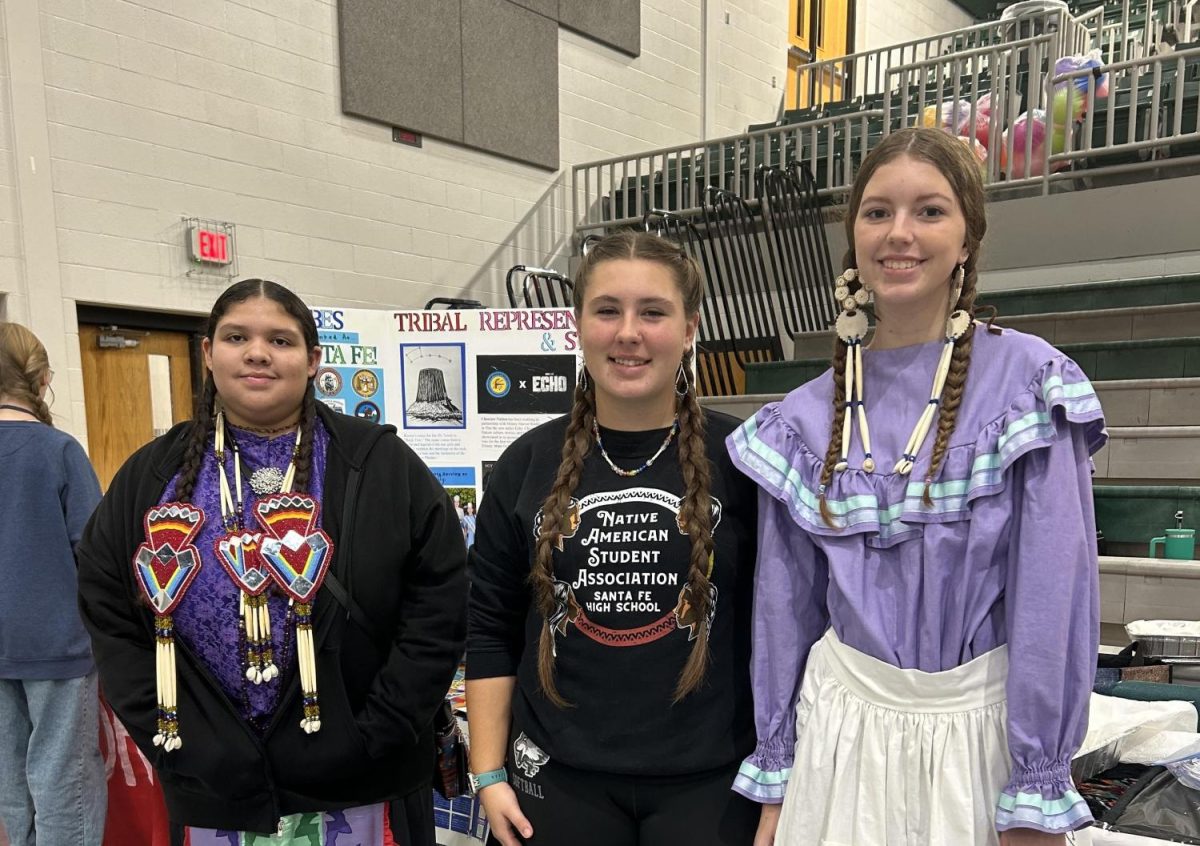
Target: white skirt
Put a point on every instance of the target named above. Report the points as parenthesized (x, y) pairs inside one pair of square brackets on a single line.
[(891, 757)]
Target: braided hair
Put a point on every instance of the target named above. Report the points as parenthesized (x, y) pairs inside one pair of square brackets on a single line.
[(959, 166), (695, 514), (204, 421), (24, 367)]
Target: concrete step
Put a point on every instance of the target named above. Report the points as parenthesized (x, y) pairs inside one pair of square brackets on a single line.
[(1159, 358), (1087, 296), (1130, 402), (1139, 323), (1122, 309), (1145, 589), (1152, 454), (1150, 402), (741, 406)]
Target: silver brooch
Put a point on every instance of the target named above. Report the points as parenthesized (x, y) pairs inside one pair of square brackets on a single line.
[(266, 480)]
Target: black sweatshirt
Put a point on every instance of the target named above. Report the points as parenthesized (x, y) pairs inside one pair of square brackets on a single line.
[(622, 629), (381, 675)]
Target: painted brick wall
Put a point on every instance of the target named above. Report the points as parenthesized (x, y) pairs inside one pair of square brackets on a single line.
[(752, 56), (884, 22), (159, 110), (10, 247)]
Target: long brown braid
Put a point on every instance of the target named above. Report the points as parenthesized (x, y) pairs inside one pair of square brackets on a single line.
[(959, 166), (956, 382), (576, 445), (833, 453), (203, 423), (24, 366), (695, 515), (696, 508)]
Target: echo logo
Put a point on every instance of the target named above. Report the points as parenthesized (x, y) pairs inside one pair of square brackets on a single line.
[(548, 384)]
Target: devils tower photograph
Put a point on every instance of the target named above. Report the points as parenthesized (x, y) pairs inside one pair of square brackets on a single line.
[(432, 405), (433, 385)]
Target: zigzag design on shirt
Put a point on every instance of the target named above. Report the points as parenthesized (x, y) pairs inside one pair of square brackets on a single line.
[(626, 637)]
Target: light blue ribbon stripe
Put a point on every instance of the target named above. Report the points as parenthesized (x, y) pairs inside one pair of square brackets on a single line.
[(1047, 807), (763, 785), (949, 497)]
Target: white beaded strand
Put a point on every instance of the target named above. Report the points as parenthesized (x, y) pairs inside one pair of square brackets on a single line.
[(851, 327), (868, 459)]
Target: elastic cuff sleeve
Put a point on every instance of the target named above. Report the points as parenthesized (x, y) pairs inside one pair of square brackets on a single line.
[(1046, 801), (763, 777)]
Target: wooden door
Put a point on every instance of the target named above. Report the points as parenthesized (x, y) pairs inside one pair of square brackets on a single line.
[(132, 393), (799, 21), (817, 30), (830, 23)]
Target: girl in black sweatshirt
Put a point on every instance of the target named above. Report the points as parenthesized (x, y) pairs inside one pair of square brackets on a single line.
[(608, 648)]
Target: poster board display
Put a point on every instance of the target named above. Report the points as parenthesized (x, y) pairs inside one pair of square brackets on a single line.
[(459, 386)]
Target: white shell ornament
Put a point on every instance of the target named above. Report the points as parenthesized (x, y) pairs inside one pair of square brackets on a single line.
[(841, 292), (850, 274), (957, 324), (849, 304), (851, 325), (862, 296)]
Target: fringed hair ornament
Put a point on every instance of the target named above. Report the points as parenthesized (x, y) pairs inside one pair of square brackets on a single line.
[(165, 564), (852, 294)]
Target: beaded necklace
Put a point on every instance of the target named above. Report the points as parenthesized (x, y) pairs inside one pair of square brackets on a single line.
[(627, 473)]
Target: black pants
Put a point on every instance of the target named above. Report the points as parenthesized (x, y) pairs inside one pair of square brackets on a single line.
[(569, 807)]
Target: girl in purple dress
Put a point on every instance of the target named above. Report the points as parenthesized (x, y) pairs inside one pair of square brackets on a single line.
[(926, 617)]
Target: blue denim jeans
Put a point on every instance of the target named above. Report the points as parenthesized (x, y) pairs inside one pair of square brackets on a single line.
[(52, 780)]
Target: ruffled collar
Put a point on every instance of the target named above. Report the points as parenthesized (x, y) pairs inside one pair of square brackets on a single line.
[(888, 507)]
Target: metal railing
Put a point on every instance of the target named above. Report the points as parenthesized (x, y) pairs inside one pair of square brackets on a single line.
[(1149, 121), (1016, 73), (621, 190), (1138, 29), (863, 75)]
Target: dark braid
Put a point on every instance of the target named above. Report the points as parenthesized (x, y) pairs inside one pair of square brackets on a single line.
[(303, 456), (952, 391), (833, 452), (576, 445), (198, 440), (695, 513)]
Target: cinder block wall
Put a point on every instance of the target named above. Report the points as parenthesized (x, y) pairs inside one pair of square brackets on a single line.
[(881, 24), (157, 111)]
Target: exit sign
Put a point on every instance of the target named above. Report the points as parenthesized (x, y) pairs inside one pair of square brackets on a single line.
[(211, 246)]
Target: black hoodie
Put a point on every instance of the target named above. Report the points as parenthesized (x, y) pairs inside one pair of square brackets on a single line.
[(389, 624)]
